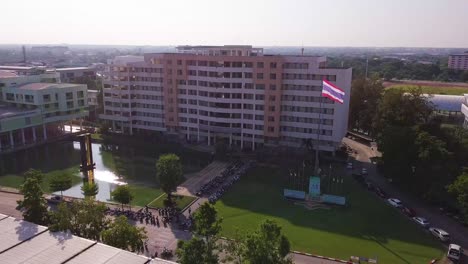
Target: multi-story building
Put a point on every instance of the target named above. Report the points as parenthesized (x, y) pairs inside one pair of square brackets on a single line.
[(34, 107), (231, 93), (458, 61)]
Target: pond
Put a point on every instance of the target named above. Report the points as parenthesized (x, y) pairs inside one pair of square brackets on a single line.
[(116, 163)]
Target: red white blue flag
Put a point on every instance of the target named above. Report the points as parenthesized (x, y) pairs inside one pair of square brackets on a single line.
[(333, 92)]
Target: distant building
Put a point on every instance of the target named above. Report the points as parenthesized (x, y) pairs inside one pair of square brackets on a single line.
[(231, 93), (35, 107), (93, 104), (71, 74), (458, 61)]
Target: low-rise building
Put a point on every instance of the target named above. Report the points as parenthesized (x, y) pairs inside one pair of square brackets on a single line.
[(35, 107), (464, 110)]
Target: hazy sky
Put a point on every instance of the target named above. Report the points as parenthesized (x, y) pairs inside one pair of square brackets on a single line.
[(415, 23)]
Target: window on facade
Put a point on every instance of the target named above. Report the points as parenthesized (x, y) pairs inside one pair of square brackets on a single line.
[(273, 65), (260, 75), (260, 65), (271, 108), (271, 118), (272, 76), (271, 129), (260, 86)]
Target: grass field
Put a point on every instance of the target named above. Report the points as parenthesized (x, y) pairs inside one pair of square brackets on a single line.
[(367, 227), (15, 181), (433, 89), (181, 201), (142, 195)]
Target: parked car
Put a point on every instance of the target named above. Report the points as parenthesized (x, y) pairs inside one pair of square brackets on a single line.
[(364, 171), (440, 234), (454, 252), (408, 211), (395, 202), (349, 165), (421, 221)]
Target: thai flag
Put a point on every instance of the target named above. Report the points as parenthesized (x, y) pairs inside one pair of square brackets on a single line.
[(331, 91)]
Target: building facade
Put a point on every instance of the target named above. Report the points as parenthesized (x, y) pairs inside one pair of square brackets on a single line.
[(72, 74), (232, 93), (458, 61), (34, 107)]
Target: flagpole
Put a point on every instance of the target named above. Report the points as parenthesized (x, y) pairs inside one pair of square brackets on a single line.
[(318, 137)]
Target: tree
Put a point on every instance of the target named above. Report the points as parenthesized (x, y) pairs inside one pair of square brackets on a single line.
[(365, 97), (123, 235), (207, 223), (402, 109), (169, 173), (33, 205), (85, 218), (459, 188), (192, 251), (122, 194), (90, 189), (32, 173), (267, 245), (60, 183)]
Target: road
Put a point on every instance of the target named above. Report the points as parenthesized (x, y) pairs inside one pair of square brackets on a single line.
[(458, 233), (8, 204)]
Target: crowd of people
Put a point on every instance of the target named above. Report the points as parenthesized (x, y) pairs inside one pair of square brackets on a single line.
[(164, 216), (217, 186)]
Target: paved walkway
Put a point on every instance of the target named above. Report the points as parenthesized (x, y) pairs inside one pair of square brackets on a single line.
[(458, 233), (191, 185)]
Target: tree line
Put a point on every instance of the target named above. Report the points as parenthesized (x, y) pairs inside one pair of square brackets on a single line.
[(419, 152), (390, 68), (84, 218)]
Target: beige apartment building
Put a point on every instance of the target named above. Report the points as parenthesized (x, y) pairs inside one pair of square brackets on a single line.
[(232, 93)]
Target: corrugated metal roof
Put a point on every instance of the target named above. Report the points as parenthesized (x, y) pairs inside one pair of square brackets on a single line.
[(25, 242), (446, 102), (13, 232)]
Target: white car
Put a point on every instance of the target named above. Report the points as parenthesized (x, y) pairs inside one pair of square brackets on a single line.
[(440, 234), (454, 252), (395, 202), (349, 165), (421, 221)]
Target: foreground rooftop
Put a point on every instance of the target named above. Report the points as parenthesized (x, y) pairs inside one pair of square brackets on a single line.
[(25, 242)]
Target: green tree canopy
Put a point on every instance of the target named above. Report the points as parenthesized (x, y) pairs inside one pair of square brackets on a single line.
[(459, 188), (90, 189), (85, 218), (33, 205), (207, 223), (365, 97), (60, 183), (193, 251), (169, 173), (32, 173), (123, 235), (122, 194), (267, 245)]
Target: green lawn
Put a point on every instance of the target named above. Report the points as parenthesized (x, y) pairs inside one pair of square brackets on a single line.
[(366, 227), (15, 181), (143, 194), (433, 89), (181, 201)]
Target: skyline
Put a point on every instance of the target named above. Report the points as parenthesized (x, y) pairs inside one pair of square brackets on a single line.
[(362, 23)]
